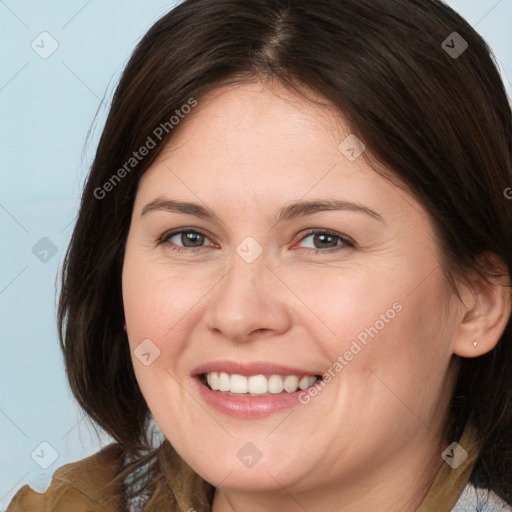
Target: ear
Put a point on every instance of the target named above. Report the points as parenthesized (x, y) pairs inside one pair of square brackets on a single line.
[(485, 310)]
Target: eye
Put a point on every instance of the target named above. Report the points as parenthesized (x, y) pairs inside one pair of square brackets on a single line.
[(192, 240), (327, 241), (184, 240)]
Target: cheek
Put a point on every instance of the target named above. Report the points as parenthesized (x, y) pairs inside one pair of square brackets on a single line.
[(159, 309), (405, 355), (346, 303), (384, 335), (159, 298), (163, 306)]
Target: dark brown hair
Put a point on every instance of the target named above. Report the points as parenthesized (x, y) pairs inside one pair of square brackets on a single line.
[(441, 124)]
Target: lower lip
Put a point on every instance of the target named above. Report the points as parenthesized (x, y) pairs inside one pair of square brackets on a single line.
[(246, 406)]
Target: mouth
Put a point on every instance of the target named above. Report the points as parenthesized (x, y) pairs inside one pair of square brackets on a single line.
[(258, 385), (251, 390)]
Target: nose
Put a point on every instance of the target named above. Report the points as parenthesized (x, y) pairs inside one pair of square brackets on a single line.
[(249, 302)]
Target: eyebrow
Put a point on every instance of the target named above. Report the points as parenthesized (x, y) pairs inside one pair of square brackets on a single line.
[(290, 212)]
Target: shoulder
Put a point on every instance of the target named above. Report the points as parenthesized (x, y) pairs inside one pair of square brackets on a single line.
[(76, 486), (474, 499)]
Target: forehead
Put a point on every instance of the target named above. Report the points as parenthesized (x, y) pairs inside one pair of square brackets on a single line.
[(253, 131), (251, 146)]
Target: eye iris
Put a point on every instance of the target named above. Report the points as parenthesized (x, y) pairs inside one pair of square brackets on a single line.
[(194, 239), (197, 239), (323, 238)]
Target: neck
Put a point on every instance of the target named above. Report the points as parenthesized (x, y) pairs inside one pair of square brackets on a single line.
[(399, 484)]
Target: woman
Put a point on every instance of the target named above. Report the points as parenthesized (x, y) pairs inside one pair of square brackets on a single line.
[(293, 254)]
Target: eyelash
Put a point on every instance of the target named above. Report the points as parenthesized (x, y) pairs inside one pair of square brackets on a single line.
[(346, 242)]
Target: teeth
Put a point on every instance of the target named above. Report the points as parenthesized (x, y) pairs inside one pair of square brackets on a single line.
[(305, 382), (258, 384), (291, 383), (213, 380), (224, 382), (275, 384), (238, 384)]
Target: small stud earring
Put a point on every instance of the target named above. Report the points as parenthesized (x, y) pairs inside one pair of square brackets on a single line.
[(475, 343), (124, 327)]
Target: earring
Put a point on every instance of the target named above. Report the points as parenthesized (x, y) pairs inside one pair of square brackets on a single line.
[(124, 327), (475, 343)]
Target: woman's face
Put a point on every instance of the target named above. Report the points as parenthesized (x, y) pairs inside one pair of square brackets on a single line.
[(247, 290)]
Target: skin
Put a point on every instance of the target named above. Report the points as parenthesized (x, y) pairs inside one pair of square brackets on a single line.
[(245, 152)]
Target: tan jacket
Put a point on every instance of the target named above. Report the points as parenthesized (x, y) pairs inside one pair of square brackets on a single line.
[(74, 487)]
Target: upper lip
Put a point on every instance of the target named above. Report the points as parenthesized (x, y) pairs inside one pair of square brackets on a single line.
[(250, 368)]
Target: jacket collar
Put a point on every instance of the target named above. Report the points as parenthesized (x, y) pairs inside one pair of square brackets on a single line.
[(454, 474)]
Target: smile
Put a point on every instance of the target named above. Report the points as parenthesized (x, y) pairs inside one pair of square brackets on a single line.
[(257, 385), (251, 389)]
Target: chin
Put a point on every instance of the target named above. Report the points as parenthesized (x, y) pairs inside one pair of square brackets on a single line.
[(255, 479)]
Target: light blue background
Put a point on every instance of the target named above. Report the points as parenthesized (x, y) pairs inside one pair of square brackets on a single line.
[(47, 107)]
